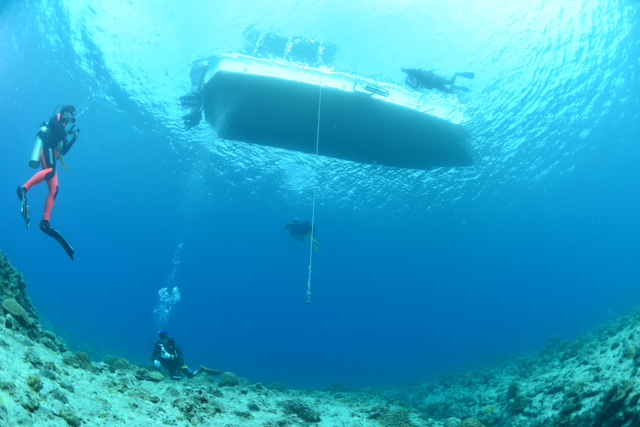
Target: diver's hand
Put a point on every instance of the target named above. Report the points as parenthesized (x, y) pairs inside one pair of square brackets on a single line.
[(166, 355), (73, 131), (157, 364)]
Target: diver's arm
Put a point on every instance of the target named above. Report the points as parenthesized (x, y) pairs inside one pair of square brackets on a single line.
[(67, 145), (178, 351), (156, 353), (411, 72)]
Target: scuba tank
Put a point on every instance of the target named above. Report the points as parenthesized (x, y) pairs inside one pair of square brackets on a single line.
[(34, 160)]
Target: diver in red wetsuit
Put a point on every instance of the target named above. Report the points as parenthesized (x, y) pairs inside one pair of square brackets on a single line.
[(53, 137)]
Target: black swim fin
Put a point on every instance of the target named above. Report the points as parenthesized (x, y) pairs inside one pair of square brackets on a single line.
[(50, 231), (24, 206), (464, 89), (209, 370), (467, 75)]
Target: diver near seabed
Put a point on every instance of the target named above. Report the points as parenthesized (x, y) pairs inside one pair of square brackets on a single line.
[(50, 145), (299, 230), (168, 354), (421, 79)]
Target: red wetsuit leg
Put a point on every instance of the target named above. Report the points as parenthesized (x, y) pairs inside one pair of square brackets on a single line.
[(52, 183), (49, 174), (37, 178), (51, 196), (40, 176)]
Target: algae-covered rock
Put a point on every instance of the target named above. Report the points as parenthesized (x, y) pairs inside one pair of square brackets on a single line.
[(35, 383), (29, 401), (512, 390), (619, 391), (377, 412), (196, 407), (116, 363), (519, 404), (33, 358), (452, 422), (171, 392), (489, 410), (471, 422), (67, 414), (52, 342), (144, 374), (79, 360), (58, 395), (12, 285), (301, 409), (276, 386), (67, 386), (4, 415), (229, 379), (155, 376), (47, 373), (490, 415), (16, 310), (8, 386), (396, 418)]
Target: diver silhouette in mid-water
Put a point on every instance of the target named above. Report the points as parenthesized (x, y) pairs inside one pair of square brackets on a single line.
[(421, 79), (299, 230)]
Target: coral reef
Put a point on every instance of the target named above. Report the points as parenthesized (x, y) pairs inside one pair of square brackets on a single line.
[(44, 384), (582, 383), (587, 382)]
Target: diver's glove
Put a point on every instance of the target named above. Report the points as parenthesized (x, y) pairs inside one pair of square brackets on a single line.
[(166, 355), (73, 131), (157, 364)]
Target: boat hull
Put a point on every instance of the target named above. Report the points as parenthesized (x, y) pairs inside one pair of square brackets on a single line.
[(283, 113)]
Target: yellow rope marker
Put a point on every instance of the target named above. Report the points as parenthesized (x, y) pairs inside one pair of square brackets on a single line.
[(62, 162)]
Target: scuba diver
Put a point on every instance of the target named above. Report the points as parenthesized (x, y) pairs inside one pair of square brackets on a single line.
[(51, 144), (299, 230), (194, 99), (421, 79), (168, 354)]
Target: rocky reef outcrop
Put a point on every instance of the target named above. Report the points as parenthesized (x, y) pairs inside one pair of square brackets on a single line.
[(591, 381), (18, 312), (588, 382), (42, 383)]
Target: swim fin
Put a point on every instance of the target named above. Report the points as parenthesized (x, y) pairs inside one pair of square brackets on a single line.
[(50, 231), (314, 242), (24, 207), (467, 75), (62, 162), (209, 371)]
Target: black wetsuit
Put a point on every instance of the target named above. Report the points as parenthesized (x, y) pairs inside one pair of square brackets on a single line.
[(418, 78), (174, 365), (299, 229), (56, 132)]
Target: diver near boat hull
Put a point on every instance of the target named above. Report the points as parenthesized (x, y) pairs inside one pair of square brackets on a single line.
[(421, 79)]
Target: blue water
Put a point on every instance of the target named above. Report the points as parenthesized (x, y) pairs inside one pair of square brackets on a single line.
[(418, 271)]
